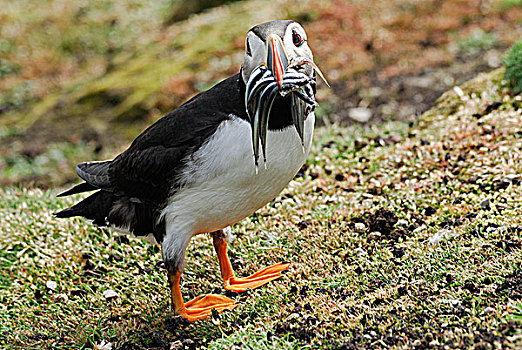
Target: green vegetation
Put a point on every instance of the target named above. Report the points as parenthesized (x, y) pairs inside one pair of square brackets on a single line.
[(477, 42), (399, 236), (513, 63), (180, 10), (51, 167), (508, 4)]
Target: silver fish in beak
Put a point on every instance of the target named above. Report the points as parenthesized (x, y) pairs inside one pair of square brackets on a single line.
[(279, 76)]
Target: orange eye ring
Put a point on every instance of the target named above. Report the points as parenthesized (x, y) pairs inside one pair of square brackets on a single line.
[(297, 39)]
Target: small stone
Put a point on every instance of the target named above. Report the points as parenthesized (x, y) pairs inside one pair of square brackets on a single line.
[(485, 205), (458, 91), (60, 298), (177, 345), (103, 345), (440, 236), (359, 251), (109, 294), (402, 222), (360, 227), (488, 311), (51, 285), (361, 115), (373, 236), (420, 82)]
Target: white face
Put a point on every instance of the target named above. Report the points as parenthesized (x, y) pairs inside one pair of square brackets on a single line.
[(294, 41)]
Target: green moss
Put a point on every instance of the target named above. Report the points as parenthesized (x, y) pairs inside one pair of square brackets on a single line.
[(181, 10), (450, 101), (513, 64), (478, 41), (19, 94), (508, 4)]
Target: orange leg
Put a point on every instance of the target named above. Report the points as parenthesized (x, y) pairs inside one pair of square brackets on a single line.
[(198, 308), (236, 284)]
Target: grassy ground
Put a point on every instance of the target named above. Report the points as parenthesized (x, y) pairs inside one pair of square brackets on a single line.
[(401, 236)]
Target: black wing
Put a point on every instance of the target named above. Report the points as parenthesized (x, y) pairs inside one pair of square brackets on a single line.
[(147, 170)]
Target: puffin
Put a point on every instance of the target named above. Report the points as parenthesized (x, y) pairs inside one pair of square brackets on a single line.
[(211, 162)]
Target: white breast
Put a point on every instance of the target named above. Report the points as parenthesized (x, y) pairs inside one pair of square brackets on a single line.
[(220, 184)]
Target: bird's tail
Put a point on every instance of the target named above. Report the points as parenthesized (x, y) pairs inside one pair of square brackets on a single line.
[(83, 187), (95, 175), (96, 207), (107, 208)]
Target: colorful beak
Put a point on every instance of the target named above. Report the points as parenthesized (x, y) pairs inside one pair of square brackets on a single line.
[(277, 59)]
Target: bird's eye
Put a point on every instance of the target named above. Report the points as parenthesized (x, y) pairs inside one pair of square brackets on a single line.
[(248, 50), (297, 39)]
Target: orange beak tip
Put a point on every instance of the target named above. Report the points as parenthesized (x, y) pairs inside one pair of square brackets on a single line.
[(277, 59)]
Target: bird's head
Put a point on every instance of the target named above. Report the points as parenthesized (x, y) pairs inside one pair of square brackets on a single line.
[(274, 44), (278, 62)]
